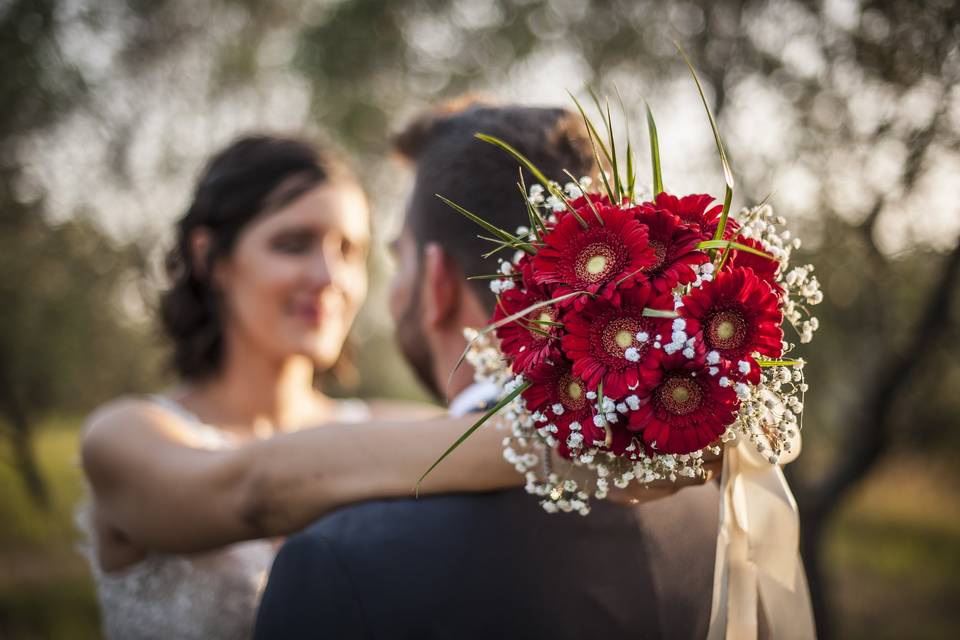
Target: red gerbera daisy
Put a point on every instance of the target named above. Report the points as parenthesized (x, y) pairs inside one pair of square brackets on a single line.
[(598, 199), (692, 209), (696, 211), (738, 313), (561, 397), (683, 408), (533, 340), (602, 341), (601, 258), (675, 245), (765, 268)]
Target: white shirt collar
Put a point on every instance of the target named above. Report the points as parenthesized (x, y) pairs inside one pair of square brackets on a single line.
[(473, 398)]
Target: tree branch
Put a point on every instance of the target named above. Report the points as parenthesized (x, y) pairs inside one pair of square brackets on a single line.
[(873, 421)]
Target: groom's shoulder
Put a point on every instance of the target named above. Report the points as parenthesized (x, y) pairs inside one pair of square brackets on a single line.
[(410, 519)]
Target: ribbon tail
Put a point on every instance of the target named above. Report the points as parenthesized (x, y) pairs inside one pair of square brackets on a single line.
[(758, 572)]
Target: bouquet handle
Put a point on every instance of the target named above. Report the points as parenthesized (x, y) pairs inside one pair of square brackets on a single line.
[(758, 559)]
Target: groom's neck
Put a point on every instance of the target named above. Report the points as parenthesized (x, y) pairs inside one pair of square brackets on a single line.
[(451, 379), (453, 374)]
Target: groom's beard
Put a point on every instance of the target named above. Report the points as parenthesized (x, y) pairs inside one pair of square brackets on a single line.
[(414, 346)]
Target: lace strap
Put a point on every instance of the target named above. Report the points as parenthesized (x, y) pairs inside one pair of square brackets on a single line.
[(212, 436)]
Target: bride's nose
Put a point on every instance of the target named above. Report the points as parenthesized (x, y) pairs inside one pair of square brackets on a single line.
[(322, 266)]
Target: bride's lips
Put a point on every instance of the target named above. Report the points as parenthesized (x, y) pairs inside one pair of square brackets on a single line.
[(310, 313)]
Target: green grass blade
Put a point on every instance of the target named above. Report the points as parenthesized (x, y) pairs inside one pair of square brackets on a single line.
[(724, 214), (723, 244), (519, 314), (612, 154), (469, 432), (522, 159), (781, 363), (594, 141), (587, 198), (494, 276), (631, 172), (727, 172), (536, 220), (500, 233), (591, 128), (618, 184), (507, 320), (654, 152), (659, 313)]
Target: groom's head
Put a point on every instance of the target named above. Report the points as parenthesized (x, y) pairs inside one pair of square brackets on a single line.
[(438, 248)]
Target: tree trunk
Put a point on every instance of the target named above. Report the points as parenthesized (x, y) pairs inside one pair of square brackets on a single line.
[(811, 550), (870, 437), (21, 440)]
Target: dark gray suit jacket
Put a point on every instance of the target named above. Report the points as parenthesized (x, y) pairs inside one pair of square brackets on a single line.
[(496, 566)]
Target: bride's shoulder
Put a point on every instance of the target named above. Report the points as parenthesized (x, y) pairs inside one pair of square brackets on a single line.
[(392, 409), (130, 421)]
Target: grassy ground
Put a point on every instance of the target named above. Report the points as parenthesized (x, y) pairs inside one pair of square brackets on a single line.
[(894, 552)]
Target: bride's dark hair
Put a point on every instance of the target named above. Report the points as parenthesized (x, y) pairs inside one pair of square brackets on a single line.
[(253, 175)]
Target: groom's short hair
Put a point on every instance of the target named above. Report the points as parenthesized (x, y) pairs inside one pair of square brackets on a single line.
[(483, 179)]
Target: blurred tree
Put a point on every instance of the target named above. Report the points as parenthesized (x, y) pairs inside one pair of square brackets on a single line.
[(65, 341)]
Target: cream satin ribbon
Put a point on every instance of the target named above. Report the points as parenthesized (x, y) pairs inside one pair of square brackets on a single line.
[(758, 566)]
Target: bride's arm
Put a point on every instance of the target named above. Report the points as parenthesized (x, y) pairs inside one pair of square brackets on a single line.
[(153, 484)]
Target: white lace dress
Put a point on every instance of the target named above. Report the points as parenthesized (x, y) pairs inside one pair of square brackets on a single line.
[(204, 596)]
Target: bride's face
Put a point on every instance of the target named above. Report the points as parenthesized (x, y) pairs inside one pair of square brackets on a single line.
[(297, 276)]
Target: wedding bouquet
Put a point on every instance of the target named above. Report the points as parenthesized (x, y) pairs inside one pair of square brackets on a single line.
[(639, 333)]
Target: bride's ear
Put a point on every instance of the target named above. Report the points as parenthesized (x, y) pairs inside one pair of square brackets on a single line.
[(201, 244), (442, 284)]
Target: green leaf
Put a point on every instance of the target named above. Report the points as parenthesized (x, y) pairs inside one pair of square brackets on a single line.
[(469, 432), (654, 152), (631, 171), (493, 276), (511, 318), (613, 152), (659, 313), (587, 198), (594, 141), (724, 214), (723, 244), (500, 233), (608, 438), (546, 323), (536, 221), (555, 192), (727, 171), (781, 363)]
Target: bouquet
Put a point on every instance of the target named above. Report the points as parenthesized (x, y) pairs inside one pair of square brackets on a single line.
[(640, 332), (637, 334)]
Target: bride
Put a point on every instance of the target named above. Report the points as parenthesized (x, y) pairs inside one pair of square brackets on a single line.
[(191, 490)]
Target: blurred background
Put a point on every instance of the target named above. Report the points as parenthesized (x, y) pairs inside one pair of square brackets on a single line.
[(846, 112)]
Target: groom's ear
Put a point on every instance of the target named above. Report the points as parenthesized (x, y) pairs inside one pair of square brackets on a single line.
[(442, 287)]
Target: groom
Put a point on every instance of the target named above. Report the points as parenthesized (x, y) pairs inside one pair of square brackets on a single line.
[(487, 565)]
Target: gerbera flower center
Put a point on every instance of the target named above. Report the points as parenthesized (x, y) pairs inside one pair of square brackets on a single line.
[(660, 256), (680, 395), (595, 262), (619, 335), (571, 393), (727, 330), (541, 327)]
